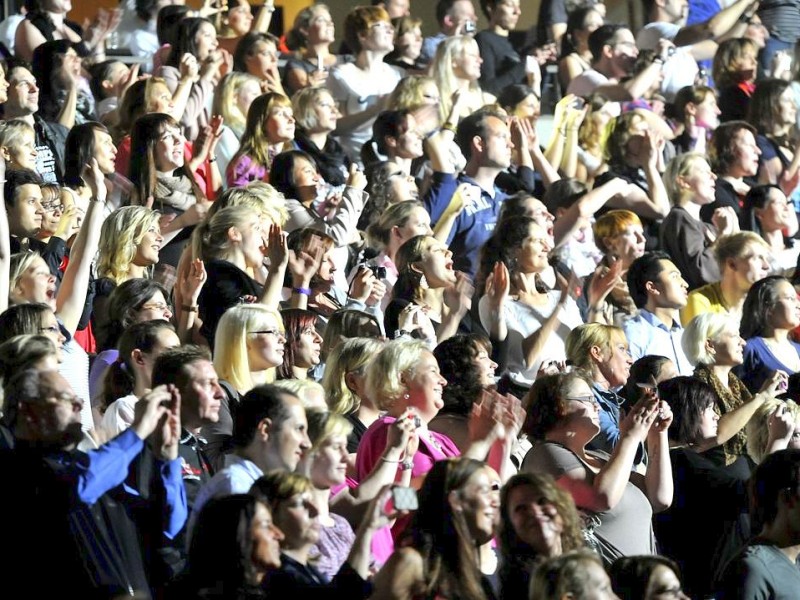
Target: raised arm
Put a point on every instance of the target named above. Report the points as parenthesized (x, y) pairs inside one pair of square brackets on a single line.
[(5, 245)]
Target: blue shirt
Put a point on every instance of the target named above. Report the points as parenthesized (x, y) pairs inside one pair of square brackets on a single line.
[(610, 403), (759, 364), (649, 336)]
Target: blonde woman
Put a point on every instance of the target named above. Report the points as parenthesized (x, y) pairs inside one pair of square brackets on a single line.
[(345, 386), (457, 68), (232, 100), (414, 91), (774, 426), (311, 38), (18, 144)]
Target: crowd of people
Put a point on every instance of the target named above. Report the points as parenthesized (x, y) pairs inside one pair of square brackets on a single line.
[(333, 314)]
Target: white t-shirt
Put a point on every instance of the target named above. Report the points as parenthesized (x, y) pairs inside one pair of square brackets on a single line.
[(681, 68)]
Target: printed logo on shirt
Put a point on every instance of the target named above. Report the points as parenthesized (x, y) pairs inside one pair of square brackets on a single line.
[(46, 163), (189, 472), (477, 204)]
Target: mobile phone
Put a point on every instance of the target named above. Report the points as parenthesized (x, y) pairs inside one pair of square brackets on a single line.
[(404, 498), (469, 27), (531, 64)]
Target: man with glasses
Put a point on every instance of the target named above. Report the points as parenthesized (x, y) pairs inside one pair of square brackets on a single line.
[(767, 567), (614, 53)]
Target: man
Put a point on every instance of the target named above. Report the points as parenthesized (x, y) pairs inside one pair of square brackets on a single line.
[(767, 569), (70, 522), (659, 292), (502, 65), (614, 53), (23, 198), (269, 433), (485, 141), (698, 42), (395, 8), (455, 17), (23, 103)]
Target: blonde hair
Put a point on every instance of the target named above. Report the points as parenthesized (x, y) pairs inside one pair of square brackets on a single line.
[(350, 356), (323, 425), (19, 264), (581, 340), (443, 70), (384, 374), (120, 235), (704, 327), (254, 142), (225, 103), (408, 93), (230, 348), (303, 389), (210, 238), (678, 168), (11, 132), (256, 195), (303, 103), (757, 428)]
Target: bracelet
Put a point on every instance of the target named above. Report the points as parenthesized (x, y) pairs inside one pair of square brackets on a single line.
[(301, 290), (212, 160), (406, 465), (449, 127), (190, 308), (658, 60), (401, 333)]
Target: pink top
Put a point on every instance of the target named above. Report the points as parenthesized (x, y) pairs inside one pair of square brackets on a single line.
[(245, 170)]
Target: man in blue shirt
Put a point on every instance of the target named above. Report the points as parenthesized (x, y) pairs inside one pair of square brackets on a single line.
[(659, 291)]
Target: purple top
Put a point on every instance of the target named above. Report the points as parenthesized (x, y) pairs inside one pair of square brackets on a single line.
[(333, 546), (244, 170)]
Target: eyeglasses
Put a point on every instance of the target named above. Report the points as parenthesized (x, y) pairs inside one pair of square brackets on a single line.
[(272, 332), (159, 306), (53, 207), (587, 399)]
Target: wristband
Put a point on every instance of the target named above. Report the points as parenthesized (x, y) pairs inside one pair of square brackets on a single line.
[(449, 127), (212, 160), (400, 333), (190, 308), (302, 291)]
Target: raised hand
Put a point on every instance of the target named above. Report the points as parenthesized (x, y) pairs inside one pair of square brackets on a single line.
[(498, 285), (193, 281), (95, 179)]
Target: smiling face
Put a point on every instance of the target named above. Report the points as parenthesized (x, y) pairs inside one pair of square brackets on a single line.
[(583, 409), (23, 93), (776, 214), (298, 519), (36, 284), (408, 144), (615, 366), (149, 247), (289, 441), (306, 179), (532, 255), (410, 44), (22, 154), (266, 539), (379, 38), (159, 98), (467, 63), (329, 462), (480, 502), (785, 314), (424, 385), (485, 366), (156, 308), (206, 41), (321, 30), (535, 519), (169, 150), (728, 347), (240, 17)]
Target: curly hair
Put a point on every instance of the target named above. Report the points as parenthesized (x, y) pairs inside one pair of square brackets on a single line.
[(725, 69), (120, 236)]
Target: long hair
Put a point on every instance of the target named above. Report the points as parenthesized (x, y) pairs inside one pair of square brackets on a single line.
[(506, 240), (48, 59), (120, 236), (225, 100), (124, 304), (758, 304), (296, 321), (446, 52), (254, 139), (185, 42), (282, 172), (351, 356), (136, 102), (79, 151)]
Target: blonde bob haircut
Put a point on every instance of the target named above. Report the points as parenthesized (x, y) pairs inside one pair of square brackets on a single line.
[(230, 348), (304, 389), (19, 265), (210, 238), (384, 374), (408, 93), (735, 245), (323, 425), (225, 100), (758, 426), (701, 329), (443, 72), (256, 195), (678, 168), (120, 235), (351, 356), (304, 101), (583, 338), (11, 133)]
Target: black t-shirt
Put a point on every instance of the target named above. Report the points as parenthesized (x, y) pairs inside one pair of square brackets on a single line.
[(226, 286)]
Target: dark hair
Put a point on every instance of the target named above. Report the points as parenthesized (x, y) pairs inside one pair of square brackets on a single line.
[(244, 48), (389, 123), (19, 319), (168, 20), (119, 380), (576, 21), (630, 575), (507, 237), (545, 403), (688, 397), (690, 94), (145, 9), (170, 366), (441, 535), (778, 473), (100, 72), (295, 321), (15, 178), (261, 402), (645, 268), (24, 386), (563, 193), (456, 357), (79, 151), (644, 370), (765, 104), (758, 304), (722, 146), (442, 8), (474, 125), (511, 95), (281, 174), (600, 38), (48, 59), (221, 550), (185, 42), (124, 302), (756, 198)]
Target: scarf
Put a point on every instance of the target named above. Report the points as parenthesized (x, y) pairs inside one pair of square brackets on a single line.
[(175, 192)]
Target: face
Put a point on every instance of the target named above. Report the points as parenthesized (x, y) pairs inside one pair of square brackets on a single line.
[(701, 182), (728, 347), (23, 93), (584, 411), (104, 151), (536, 210), (397, 8), (321, 29), (203, 395), (437, 265), (71, 63), (240, 17), (263, 59), (751, 266), (169, 150), (49, 327), (306, 179), (206, 41), (747, 65), (777, 214), (467, 64), (323, 280), (424, 386), (159, 99), (480, 502), (623, 52), (56, 418), (288, 444), (298, 519), (280, 124), (430, 94), (401, 186), (707, 112), (409, 142), (52, 215), (308, 348), (756, 32), (266, 539), (156, 308), (486, 367), (598, 585), (379, 37), (676, 11), (462, 11), (251, 242), (616, 364), (497, 144), (535, 519), (529, 109), (23, 154), (326, 113), (709, 420), (25, 218), (410, 43), (166, 339), (787, 109), (249, 91), (265, 347), (664, 585), (3, 86), (532, 256), (672, 289), (506, 14), (329, 462), (747, 153), (786, 312), (627, 245), (149, 247), (418, 223), (114, 83), (36, 284)]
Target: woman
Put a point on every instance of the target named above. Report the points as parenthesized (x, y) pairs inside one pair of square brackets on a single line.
[(303, 344), (65, 95), (515, 308), (465, 362), (578, 574), (689, 241), (257, 54), (538, 521), (769, 213), (771, 310), (360, 87), (712, 343), (232, 100), (734, 156), (457, 68), (446, 550), (196, 38), (311, 38), (407, 44), (26, 351), (18, 144), (34, 318), (576, 57), (646, 372), (592, 135), (763, 438), (617, 500), (696, 116), (269, 131), (646, 578), (235, 543), (317, 115), (734, 73), (345, 386), (129, 377), (395, 137)]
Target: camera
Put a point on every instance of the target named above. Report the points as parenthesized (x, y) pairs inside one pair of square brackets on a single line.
[(378, 272)]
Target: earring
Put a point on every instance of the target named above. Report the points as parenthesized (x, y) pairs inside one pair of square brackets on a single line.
[(406, 397)]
